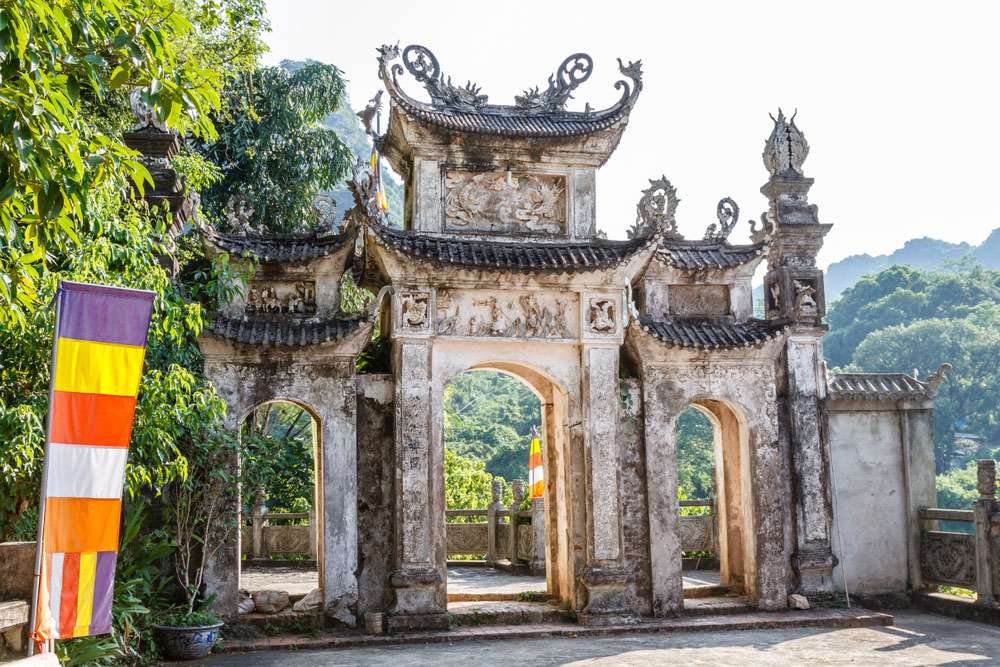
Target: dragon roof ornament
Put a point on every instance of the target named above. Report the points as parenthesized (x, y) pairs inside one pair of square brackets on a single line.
[(786, 149), (445, 96), (729, 214), (656, 211)]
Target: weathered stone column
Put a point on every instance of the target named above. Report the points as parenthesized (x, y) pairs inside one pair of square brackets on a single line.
[(660, 436), (538, 536), (517, 497), (605, 576), (492, 523), (985, 507), (419, 577)]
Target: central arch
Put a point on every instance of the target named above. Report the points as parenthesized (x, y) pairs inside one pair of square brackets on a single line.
[(554, 437)]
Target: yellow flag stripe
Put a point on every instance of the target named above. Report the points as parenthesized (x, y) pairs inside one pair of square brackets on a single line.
[(85, 594), (98, 368)]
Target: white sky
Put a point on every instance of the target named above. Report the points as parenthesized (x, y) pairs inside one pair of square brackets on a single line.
[(897, 101)]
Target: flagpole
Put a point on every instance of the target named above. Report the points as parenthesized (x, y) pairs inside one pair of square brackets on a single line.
[(45, 480)]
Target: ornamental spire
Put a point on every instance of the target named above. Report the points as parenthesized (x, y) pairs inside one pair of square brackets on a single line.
[(786, 149)]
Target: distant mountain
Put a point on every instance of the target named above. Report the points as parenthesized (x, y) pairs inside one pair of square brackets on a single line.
[(348, 128), (923, 253)]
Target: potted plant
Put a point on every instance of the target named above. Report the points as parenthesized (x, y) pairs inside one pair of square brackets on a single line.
[(202, 515)]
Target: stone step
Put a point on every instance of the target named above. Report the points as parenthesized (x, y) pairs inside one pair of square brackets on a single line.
[(693, 592), (480, 612), (756, 620), (714, 606)]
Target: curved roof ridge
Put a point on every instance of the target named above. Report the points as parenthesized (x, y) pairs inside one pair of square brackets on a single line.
[(705, 334)]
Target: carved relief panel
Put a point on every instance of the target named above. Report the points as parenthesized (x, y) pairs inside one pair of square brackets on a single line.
[(488, 314), (602, 315), (413, 310), (498, 201), (695, 300), (267, 297)]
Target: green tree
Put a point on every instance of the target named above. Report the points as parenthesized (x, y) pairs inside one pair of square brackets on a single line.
[(66, 69), (271, 148), (695, 454)]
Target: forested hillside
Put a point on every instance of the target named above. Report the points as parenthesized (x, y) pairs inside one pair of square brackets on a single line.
[(903, 319)]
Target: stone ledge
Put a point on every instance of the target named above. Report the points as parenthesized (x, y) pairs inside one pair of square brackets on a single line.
[(962, 608), (813, 618)]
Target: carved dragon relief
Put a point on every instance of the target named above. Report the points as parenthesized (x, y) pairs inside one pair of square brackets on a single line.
[(492, 201), (423, 65), (521, 316), (729, 214), (656, 211)]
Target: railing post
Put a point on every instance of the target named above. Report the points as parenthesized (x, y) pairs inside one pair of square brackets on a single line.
[(517, 487), (712, 502), (538, 536), (493, 522), (258, 523), (983, 510), (313, 527)]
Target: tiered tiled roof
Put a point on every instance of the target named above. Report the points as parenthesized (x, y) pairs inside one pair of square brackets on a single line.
[(510, 255), (881, 387), (278, 247), (285, 333), (704, 334), (703, 255)]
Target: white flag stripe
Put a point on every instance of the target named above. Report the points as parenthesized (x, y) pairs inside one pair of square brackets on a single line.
[(55, 591), (83, 471)]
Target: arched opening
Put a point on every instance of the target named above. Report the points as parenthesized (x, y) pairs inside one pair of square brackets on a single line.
[(281, 540), (713, 487), (493, 414)]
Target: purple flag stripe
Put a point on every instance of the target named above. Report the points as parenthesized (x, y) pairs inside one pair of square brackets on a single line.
[(104, 588), (104, 314)]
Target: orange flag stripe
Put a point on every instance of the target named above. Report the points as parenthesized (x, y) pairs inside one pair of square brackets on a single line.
[(92, 419), (80, 525)]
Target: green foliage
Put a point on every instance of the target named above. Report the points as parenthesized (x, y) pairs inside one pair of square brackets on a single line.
[(66, 69), (271, 148), (695, 456), (901, 319), (488, 417), (466, 482), (182, 619), (277, 456)]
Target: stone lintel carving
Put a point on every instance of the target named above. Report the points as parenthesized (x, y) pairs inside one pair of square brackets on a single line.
[(413, 309), (655, 212), (524, 315), (786, 149), (266, 297), (729, 214), (504, 202), (603, 316)]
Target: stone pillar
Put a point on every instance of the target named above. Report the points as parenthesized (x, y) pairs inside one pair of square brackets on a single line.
[(538, 536), (517, 491), (917, 433), (493, 523), (419, 578), (987, 505), (258, 523), (340, 517), (660, 435), (794, 296), (605, 576)]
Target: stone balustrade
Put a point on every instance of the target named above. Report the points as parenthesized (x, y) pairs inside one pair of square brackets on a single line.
[(267, 535), (963, 559)]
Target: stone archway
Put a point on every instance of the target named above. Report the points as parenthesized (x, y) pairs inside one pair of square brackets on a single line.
[(555, 463)]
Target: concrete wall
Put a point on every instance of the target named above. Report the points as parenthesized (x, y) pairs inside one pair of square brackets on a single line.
[(882, 452)]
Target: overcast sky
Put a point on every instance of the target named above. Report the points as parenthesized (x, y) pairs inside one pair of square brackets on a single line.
[(897, 101)]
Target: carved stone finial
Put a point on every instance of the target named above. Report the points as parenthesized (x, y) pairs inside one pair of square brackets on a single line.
[(574, 70), (145, 116), (986, 478), (786, 149), (729, 214), (423, 65), (656, 210), (496, 489), (239, 210), (517, 489), (325, 210), (368, 114), (936, 378), (364, 187)]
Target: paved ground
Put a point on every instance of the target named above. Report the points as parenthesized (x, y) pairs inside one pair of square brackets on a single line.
[(915, 639), (465, 580)]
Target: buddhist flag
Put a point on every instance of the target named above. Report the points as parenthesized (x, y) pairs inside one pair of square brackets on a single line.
[(97, 355), (537, 479)]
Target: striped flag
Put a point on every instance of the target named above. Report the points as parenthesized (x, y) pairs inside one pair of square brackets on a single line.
[(97, 355), (537, 479)]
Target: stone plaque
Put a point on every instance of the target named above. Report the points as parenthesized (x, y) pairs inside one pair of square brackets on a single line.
[(280, 297), (698, 299), (495, 201), (485, 313)]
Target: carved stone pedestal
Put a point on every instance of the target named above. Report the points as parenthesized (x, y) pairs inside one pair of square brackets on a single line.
[(607, 596), (417, 605)]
